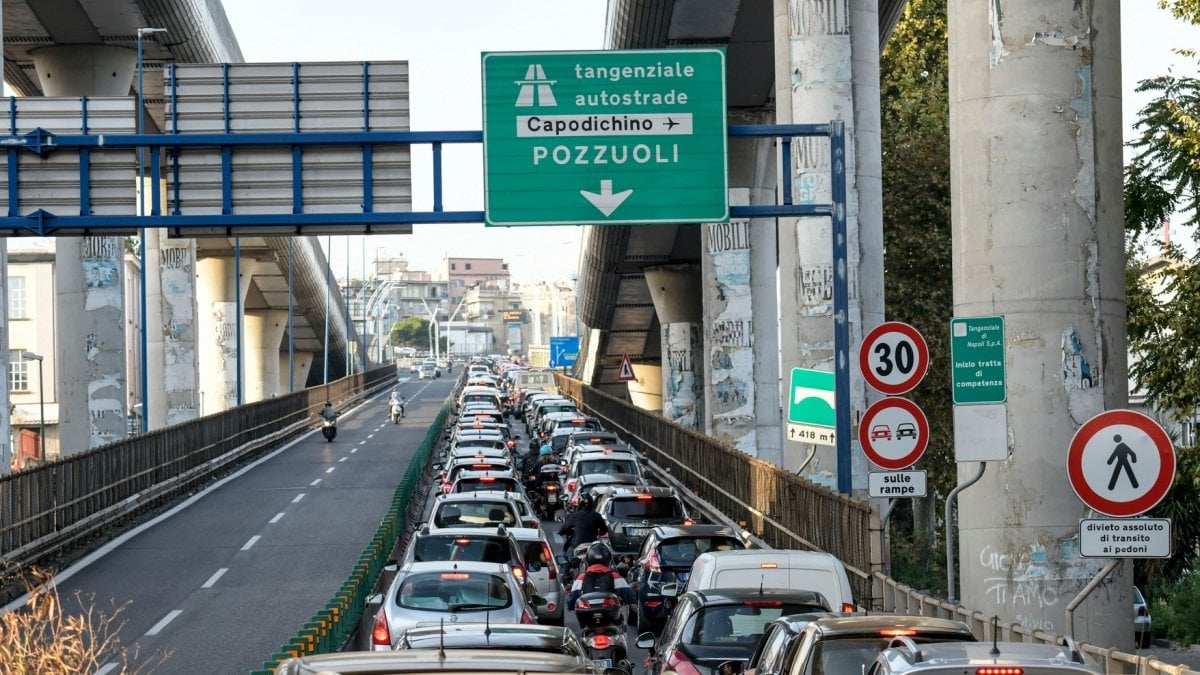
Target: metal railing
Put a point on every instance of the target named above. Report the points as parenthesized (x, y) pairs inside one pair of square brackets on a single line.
[(47, 508), (787, 511)]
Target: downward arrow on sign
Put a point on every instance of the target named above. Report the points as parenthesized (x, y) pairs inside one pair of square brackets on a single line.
[(606, 200)]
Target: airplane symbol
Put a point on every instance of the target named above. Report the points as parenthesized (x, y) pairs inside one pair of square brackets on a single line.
[(671, 124)]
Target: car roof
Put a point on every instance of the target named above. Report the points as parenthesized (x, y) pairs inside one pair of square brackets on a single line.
[(456, 565), (735, 595), (477, 532), (855, 624), (489, 636), (598, 479), (474, 495), (955, 655), (432, 660), (623, 491), (684, 531), (526, 533)]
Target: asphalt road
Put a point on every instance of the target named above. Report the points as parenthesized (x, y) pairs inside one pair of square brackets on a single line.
[(222, 581)]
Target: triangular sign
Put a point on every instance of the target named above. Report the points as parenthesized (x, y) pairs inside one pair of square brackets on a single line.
[(626, 372)]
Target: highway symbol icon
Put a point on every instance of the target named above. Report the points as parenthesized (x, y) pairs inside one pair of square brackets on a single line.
[(625, 374), (893, 358), (535, 89), (894, 433), (1121, 463)]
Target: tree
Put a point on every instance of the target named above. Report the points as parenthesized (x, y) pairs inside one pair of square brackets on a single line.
[(411, 331), (915, 119)]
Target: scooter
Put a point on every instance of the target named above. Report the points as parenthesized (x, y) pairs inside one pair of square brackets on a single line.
[(329, 428), (397, 412), (602, 629)]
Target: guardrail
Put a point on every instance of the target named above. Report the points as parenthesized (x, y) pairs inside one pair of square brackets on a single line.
[(46, 509), (329, 629), (790, 512)]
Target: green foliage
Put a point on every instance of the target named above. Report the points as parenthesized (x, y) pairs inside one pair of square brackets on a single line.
[(1175, 609), (412, 331), (1165, 174), (1188, 10)]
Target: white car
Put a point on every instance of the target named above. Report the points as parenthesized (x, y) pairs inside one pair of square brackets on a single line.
[(542, 570)]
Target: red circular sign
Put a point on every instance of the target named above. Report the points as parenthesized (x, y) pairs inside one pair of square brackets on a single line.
[(1121, 463), (894, 433), (893, 358)]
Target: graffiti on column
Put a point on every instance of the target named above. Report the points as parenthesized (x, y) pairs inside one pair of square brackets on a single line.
[(731, 335), (179, 329), (225, 326), (103, 302), (816, 288), (680, 341), (1029, 585)]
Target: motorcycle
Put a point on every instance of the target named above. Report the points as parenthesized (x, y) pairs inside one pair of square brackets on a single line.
[(396, 413), (329, 428), (548, 499), (602, 628)]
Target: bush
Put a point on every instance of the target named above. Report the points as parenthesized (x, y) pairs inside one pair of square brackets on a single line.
[(41, 637), (1175, 610)]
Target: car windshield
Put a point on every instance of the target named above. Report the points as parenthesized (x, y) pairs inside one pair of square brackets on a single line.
[(588, 466), (743, 624), (454, 592), (459, 547), (655, 507), (845, 655), (481, 513), (683, 551), (533, 551)]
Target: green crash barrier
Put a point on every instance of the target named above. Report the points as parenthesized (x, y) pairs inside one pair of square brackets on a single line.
[(329, 628)]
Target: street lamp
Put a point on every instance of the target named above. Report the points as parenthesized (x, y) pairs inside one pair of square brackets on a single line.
[(30, 356), (141, 32)]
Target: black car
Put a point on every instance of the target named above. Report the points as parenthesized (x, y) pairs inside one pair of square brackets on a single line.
[(711, 627), (631, 512), (666, 557)]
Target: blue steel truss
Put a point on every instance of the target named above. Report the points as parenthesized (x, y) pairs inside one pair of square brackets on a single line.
[(228, 224)]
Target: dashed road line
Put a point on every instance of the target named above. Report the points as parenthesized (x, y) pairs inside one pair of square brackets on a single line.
[(253, 541), (353, 450), (362, 442), (216, 575), (314, 483), (165, 620), (343, 459), (329, 470), (370, 436), (298, 498), (278, 517), (108, 668)]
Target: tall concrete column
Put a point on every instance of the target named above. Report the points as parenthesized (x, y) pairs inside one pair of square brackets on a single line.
[(827, 67), (172, 368), (263, 335), (216, 316), (85, 69), (675, 291), (90, 358), (1035, 139), (300, 366)]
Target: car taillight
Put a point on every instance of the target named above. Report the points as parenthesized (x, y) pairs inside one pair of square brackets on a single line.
[(680, 663), (570, 486), (547, 554), (645, 498), (512, 444), (380, 635), (652, 564), (847, 606), (551, 487), (526, 617), (898, 632), (600, 641), (653, 603), (763, 603), (999, 670)]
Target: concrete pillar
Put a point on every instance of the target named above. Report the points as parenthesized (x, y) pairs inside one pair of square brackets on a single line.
[(263, 335), (89, 278), (216, 305), (301, 365), (827, 67), (1035, 139), (675, 290), (172, 368), (85, 70)]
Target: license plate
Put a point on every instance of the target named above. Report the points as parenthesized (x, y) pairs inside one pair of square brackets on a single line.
[(600, 665), (552, 499), (637, 531)]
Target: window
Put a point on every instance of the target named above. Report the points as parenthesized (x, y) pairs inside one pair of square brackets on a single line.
[(18, 371), (453, 266), (16, 298), (468, 266)]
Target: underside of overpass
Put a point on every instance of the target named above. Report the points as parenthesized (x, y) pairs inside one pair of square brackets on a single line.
[(615, 302)]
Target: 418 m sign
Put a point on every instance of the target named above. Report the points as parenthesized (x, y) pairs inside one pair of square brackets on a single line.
[(893, 358)]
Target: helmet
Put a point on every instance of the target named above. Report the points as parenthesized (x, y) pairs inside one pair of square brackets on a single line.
[(585, 502), (545, 450), (328, 403), (598, 554)]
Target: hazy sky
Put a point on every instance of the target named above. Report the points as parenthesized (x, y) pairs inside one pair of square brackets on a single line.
[(442, 42)]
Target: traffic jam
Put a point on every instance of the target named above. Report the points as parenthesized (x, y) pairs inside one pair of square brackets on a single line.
[(549, 542)]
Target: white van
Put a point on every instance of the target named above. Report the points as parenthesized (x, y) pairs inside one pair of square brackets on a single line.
[(774, 568)]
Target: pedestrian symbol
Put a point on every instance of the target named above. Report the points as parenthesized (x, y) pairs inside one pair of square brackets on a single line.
[(535, 89), (1122, 455)]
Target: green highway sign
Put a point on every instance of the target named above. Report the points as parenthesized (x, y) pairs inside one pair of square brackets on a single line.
[(605, 137), (810, 413), (977, 355)]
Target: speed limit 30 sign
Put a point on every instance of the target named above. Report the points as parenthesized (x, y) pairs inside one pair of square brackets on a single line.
[(893, 358)]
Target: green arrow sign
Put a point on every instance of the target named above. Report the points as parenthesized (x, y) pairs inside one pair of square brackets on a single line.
[(610, 137)]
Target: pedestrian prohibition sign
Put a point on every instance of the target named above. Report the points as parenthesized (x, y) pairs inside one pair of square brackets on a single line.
[(1121, 463), (893, 358)]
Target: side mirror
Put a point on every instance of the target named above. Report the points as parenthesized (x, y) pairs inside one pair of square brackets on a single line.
[(391, 566), (645, 640), (731, 668), (437, 466), (669, 590), (374, 600), (443, 454)]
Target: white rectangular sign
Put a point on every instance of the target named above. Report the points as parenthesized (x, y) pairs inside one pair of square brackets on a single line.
[(1125, 537), (896, 483), (811, 433), (981, 433)]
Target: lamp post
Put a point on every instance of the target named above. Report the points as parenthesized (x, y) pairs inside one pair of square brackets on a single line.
[(30, 356), (141, 190)]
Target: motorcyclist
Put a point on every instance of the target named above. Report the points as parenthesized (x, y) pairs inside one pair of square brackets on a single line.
[(582, 526), (593, 578), (394, 399), (329, 413), (545, 457)]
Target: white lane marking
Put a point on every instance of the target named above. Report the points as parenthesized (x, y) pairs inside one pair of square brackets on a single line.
[(353, 450), (108, 668), (370, 436), (343, 459), (329, 470), (298, 498), (362, 442), (278, 517), (253, 541), (216, 575), (312, 484), (166, 620)]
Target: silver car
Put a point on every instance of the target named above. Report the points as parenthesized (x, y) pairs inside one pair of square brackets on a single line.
[(431, 593), (542, 571)]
